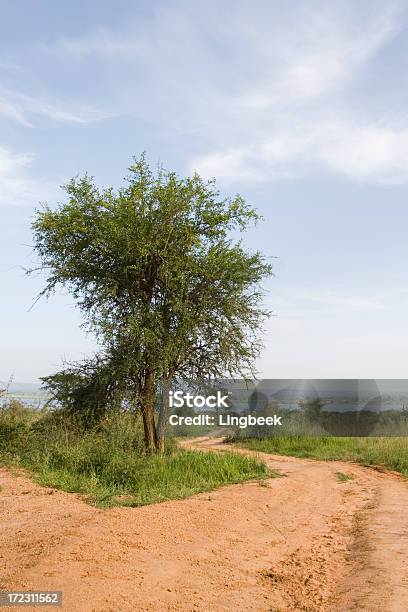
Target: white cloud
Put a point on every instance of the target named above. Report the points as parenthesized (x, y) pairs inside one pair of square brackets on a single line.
[(21, 107), (318, 56), (259, 92), (230, 165), (301, 306), (280, 125), (369, 153), (336, 334), (332, 302), (12, 111), (17, 185)]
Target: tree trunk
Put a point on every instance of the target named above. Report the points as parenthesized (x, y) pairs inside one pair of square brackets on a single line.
[(149, 426), (147, 409), (164, 410)]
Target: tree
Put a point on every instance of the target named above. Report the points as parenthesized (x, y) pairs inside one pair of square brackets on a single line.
[(160, 279), (87, 389)]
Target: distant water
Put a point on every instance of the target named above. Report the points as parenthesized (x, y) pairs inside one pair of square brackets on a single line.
[(34, 400)]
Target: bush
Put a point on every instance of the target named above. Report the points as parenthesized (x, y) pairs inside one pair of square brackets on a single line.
[(15, 421), (108, 462)]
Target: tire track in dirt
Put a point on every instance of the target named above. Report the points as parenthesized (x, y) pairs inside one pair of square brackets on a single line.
[(300, 542), (372, 571)]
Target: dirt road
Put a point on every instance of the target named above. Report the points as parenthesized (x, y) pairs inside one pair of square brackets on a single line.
[(305, 541)]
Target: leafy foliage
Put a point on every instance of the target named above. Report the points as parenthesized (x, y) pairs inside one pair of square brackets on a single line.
[(158, 277)]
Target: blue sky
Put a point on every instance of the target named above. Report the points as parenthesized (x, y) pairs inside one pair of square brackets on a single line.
[(300, 107)]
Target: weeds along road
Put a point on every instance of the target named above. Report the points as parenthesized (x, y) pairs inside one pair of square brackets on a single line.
[(306, 541)]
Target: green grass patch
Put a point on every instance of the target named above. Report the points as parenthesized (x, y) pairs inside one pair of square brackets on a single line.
[(343, 477), (145, 480), (390, 453), (108, 465)]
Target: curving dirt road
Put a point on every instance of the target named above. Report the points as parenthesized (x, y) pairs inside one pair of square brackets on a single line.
[(304, 542)]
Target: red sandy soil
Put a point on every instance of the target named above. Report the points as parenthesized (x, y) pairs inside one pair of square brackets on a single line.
[(303, 542)]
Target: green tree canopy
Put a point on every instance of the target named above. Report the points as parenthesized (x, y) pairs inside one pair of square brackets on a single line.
[(159, 277)]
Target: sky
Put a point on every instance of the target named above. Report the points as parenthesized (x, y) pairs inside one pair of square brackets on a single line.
[(301, 107)]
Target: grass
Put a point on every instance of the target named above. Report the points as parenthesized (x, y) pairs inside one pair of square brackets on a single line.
[(107, 464), (390, 453), (145, 480), (343, 477)]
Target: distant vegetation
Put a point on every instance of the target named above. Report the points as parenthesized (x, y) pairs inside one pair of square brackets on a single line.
[(108, 463), (313, 418), (390, 453)]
